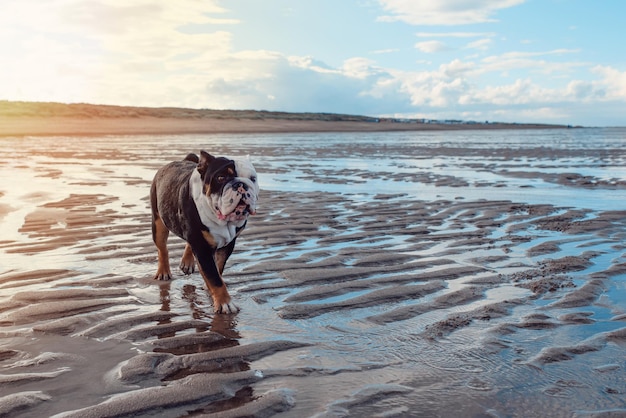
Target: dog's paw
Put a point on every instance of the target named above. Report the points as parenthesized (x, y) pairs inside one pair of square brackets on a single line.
[(163, 276), (187, 267), (226, 308), (188, 261)]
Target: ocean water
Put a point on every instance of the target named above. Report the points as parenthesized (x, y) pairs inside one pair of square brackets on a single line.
[(466, 164), (367, 163)]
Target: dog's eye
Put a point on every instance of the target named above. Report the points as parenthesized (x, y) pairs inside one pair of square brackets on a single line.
[(253, 179), (221, 179)]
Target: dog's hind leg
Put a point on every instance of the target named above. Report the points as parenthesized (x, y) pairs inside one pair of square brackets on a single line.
[(188, 261), (160, 233)]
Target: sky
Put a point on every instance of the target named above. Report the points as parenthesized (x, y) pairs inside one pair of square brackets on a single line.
[(547, 61)]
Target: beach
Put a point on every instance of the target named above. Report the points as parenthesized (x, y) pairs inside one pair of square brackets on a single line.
[(392, 272), (73, 126), (79, 119)]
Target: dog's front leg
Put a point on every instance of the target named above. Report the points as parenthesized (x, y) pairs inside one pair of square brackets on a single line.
[(222, 254), (222, 302), (204, 250)]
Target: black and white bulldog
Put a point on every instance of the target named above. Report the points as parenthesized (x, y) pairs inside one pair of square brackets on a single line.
[(206, 201)]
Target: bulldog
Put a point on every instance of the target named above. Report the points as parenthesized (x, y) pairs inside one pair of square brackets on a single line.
[(206, 201)]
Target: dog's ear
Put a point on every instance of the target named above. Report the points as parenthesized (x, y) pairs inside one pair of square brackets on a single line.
[(205, 160)]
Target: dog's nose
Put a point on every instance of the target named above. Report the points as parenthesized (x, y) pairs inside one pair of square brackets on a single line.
[(240, 186)]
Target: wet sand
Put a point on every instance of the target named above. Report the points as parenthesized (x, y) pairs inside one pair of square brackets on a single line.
[(407, 287)]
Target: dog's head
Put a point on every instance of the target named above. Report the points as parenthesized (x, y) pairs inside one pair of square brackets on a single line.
[(230, 186)]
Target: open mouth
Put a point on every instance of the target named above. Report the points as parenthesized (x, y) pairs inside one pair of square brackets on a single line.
[(240, 212), (242, 209)]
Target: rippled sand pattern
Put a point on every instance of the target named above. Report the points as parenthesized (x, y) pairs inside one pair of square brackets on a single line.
[(382, 276)]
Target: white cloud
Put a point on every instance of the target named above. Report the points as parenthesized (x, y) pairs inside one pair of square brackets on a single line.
[(96, 18), (529, 60), (438, 88), (431, 47), (527, 54), (434, 46), (457, 68), (455, 34), (453, 89), (444, 12), (522, 91), (610, 87), (360, 68), (612, 84), (106, 51), (481, 44), (385, 51), (310, 64)]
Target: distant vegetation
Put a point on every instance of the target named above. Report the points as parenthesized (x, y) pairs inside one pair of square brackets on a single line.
[(89, 111), (83, 110)]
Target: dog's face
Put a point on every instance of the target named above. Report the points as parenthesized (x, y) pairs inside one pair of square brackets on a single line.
[(230, 186)]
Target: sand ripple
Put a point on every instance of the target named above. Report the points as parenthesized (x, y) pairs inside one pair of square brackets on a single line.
[(354, 302)]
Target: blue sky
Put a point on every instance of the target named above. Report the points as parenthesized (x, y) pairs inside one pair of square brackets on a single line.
[(553, 61)]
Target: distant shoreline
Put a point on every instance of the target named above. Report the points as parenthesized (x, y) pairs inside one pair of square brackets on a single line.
[(57, 119)]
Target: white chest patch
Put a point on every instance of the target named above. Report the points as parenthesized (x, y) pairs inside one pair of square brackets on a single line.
[(223, 232)]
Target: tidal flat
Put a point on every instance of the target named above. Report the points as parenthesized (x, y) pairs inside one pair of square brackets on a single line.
[(480, 273)]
